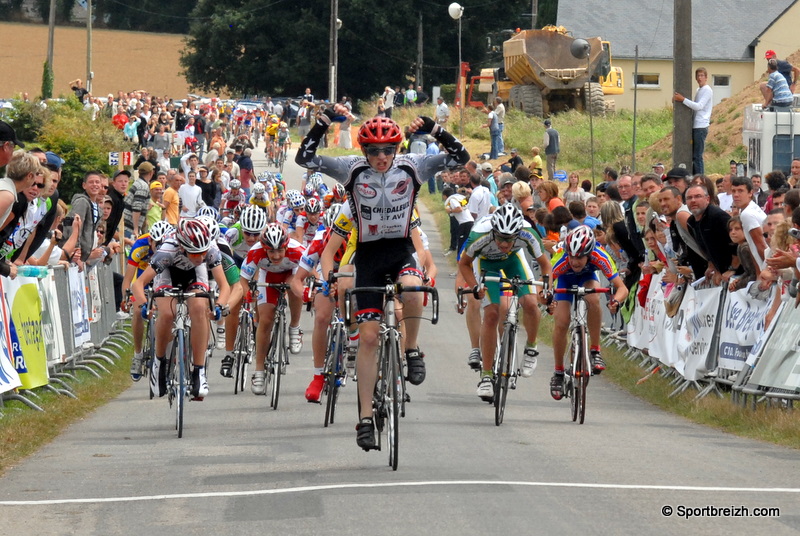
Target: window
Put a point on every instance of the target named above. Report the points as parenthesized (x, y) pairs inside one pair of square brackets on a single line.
[(721, 80), (648, 81)]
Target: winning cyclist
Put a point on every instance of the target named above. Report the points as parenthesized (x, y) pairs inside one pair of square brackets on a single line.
[(275, 258), (184, 262), (496, 244), (574, 265), (382, 188)]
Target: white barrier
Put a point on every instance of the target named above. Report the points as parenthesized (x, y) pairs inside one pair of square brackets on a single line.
[(46, 328)]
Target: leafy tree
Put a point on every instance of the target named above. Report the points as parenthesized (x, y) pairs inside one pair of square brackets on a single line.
[(47, 81)]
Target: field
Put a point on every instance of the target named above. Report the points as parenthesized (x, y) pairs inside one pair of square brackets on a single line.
[(120, 60)]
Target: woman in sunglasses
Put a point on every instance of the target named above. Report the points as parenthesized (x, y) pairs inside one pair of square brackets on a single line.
[(383, 187)]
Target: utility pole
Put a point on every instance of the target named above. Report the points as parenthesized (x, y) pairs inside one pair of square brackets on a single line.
[(333, 52), (89, 75), (682, 75), (534, 13), (419, 51), (51, 33)]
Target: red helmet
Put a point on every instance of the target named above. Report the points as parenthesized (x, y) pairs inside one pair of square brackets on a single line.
[(193, 235), (379, 130), (580, 241)]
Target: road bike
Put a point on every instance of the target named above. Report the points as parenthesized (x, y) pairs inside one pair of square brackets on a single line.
[(244, 345), (576, 377), (280, 156), (278, 354), (334, 371), (179, 364), (389, 399), (505, 368)]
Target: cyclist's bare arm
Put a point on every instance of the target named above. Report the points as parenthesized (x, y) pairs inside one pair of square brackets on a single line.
[(620, 292), (222, 282), (329, 252), (138, 286)]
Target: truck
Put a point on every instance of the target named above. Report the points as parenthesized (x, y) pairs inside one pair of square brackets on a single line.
[(772, 138), (540, 76)]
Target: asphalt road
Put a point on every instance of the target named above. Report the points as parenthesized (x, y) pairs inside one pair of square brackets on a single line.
[(243, 468)]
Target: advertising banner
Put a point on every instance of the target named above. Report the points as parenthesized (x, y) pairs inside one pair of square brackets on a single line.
[(27, 341)]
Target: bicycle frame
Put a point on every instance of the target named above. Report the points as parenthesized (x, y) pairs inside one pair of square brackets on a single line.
[(277, 354)]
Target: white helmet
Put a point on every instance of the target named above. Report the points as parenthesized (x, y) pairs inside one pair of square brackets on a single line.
[(313, 206), (213, 226), (235, 184), (274, 236), (253, 219), (507, 220), (258, 189), (296, 200), (160, 230), (211, 212), (330, 215)]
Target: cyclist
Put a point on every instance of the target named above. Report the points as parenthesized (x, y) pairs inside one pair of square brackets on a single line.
[(184, 262), (497, 245), (138, 260), (272, 133), (295, 205), (275, 258), (284, 137), (323, 304), (259, 197), (305, 228), (336, 195), (383, 188), (241, 236), (232, 198), (575, 264)]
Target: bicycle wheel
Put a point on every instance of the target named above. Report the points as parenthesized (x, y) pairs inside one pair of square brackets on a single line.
[(278, 357), (241, 350), (147, 355), (586, 372), (331, 373), (503, 374), (180, 380), (282, 159), (394, 394), (576, 369)]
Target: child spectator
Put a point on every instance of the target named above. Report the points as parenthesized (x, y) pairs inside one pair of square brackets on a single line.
[(746, 260)]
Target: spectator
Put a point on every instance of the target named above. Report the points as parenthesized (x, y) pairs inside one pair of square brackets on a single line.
[(701, 106), (749, 267), (789, 71), (388, 100), (191, 196), (709, 224), (246, 170), (536, 164), (155, 211), (84, 204), (442, 112), (171, 199), (493, 124), (514, 162), (686, 248), (552, 146), (208, 186), (456, 206), (775, 181), (751, 218), (480, 203), (776, 92), (500, 110), (411, 96), (548, 193), (574, 192)]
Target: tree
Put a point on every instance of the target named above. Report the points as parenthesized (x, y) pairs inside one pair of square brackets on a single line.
[(47, 81), (263, 47)]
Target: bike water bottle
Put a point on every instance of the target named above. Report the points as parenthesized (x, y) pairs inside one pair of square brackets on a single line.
[(27, 270)]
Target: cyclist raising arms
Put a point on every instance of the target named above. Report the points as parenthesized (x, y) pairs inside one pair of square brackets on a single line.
[(184, 262), (496, 245), (574, 265), (382, 188)]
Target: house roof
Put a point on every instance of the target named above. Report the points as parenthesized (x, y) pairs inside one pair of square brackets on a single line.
[(723, 30)]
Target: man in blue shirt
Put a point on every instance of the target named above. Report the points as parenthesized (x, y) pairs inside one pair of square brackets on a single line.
[(776, 90)]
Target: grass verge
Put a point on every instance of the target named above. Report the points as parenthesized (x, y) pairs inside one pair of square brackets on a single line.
[(774, 425), (23, 430)]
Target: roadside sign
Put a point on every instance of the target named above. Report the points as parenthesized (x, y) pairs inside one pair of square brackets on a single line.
[(127, 158), (113, 159)]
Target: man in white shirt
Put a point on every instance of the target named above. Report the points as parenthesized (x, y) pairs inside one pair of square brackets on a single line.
[(191, 196), (500, 110), (752, 218), (388, 101), (480, 201), (442, 112), (724, 194), (701, 105)]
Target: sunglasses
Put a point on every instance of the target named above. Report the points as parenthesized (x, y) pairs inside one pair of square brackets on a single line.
[(376, 151), (250, 234), (505, 239), (38, 185)]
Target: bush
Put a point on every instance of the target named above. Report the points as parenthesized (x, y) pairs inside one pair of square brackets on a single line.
[(84, 144), (28, 118)]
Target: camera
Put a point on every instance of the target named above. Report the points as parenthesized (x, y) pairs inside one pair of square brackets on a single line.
[(68, 221), (795, 233)]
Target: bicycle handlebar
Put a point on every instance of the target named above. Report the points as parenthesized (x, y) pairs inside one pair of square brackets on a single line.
[(181, 294), (582, 291), (392, 290)]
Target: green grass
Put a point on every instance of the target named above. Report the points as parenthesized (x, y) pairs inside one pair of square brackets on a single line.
[(781, 427), (23, 430)]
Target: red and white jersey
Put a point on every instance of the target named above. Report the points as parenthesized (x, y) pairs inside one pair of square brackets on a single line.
[(230, 201), (258, 260), (309, 229)]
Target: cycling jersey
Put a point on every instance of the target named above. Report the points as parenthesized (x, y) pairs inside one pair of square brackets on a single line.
[(174, 269), (481, 243), (311, 256), (140, 254), (230, 201), (257, 260), (235, 237), (309, 230), (566, 277), (261, 201)]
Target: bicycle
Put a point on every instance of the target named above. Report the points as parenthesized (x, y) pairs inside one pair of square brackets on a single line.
[(388, 403), (244, 345), (504, 367), (281, 158), (277, 354), (334, 371), (180, 360), (577, 376)]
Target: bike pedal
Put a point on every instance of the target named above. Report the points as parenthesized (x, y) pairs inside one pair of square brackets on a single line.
[(407, 397), (197, 398), (512, 383)]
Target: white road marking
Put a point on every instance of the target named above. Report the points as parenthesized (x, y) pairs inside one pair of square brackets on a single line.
[(476, 483)]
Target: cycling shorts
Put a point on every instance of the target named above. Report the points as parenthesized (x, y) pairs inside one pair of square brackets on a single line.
[(515, 265), (267, 295), (375, 262), (185, 280), (571, 279)]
